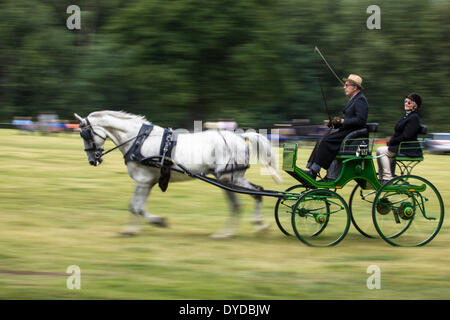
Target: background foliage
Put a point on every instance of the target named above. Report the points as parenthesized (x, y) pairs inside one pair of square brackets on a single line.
[(250, 61)]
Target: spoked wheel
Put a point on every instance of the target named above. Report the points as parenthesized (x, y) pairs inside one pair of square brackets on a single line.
[(360, 205), (283, 210), (320, 217), (408, 211)]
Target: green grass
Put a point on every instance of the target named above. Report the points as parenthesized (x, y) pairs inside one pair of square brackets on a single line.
[(56, 210)]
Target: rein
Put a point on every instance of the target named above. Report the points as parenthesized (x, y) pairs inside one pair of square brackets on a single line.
[(123, 143)]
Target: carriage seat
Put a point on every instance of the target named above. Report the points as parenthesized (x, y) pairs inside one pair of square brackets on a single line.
[(404, 162), (351, 142), (411, 145), (348, 148)]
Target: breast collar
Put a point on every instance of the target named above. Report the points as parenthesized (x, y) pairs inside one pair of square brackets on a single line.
[(134, 153)]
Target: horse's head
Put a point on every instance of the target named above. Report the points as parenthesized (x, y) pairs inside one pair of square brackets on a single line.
[(94, 140)]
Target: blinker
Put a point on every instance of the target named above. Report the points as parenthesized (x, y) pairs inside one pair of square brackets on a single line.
[(86, 134)]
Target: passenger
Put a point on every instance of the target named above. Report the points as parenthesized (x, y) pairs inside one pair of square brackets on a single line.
[(406, 129), (354, 118)]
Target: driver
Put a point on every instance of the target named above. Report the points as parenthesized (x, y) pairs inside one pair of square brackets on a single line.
[(354, 118)]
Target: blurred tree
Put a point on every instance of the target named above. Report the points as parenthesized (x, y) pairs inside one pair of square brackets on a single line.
[(36, 59), (199, 59), (40, 57)]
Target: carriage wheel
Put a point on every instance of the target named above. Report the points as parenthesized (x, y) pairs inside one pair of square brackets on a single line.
[(408, 211), (283, 210), (320, 217), (360, 205)]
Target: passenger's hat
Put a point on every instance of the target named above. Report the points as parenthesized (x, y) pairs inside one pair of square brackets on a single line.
[(416, 98), (354, 78)]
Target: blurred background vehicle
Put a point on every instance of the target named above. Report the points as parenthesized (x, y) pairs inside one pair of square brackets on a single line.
[(440, 143), (49, 122), (23, 123), (301, 129), (46, 122)]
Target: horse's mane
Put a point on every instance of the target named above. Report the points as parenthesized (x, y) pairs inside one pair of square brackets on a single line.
[(120, 114)]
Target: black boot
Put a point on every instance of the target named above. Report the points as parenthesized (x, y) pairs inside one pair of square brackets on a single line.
[(312, 174)]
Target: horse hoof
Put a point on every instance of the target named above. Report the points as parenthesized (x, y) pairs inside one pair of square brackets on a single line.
[(162, 223), (262, 227), (127, 233)]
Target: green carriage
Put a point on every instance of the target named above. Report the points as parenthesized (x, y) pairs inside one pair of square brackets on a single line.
[(406, 211)]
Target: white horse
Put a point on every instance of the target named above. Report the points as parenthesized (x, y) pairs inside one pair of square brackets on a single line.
[(207, 152)]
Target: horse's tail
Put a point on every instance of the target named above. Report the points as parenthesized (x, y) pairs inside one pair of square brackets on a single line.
[(261, 147)]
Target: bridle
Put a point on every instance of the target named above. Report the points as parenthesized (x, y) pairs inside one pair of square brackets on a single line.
[(87, 132)]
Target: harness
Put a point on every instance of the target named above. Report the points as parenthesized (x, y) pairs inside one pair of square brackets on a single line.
[(167, 144), (87, 133), (165, 151), (134, 153)]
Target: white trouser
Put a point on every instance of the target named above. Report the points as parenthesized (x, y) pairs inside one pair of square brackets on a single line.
[(386, 163)]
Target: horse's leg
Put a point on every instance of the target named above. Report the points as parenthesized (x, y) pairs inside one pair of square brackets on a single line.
[(137, 209), (155, 220), (150, 218), (145, 180), (137, 203), (257, 220), (231, 225)]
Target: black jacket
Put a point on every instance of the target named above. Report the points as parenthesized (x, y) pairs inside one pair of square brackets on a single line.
[(406, 129), (355, 117), (355, 113)]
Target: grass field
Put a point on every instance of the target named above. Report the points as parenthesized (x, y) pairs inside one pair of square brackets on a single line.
[(56, 210)]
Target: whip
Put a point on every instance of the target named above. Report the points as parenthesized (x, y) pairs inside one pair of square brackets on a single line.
[(329, 67), (324, 100)]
